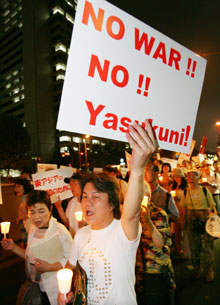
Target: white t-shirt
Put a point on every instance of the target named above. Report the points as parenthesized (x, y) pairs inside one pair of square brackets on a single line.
[(108, 258), (73, 206)]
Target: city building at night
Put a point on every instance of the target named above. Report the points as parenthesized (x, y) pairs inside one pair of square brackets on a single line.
[(35, 38)]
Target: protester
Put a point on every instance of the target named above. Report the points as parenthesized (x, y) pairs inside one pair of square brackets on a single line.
[(180, 234), (68, 217), (212, 182), (106, 248), (121, 183), (159, 196), (43, 226), (22, 188), (199, 203), (155, 282), (165, 177)]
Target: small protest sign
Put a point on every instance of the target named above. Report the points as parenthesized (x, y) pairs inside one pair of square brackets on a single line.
[(53, 182), (121, 70)]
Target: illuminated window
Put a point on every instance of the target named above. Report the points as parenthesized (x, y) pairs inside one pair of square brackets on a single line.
[(77, 140), (20, 25), (6, 13), (22, 96), (60, 66), (76, 148), (69, 18), (13, 14), (16, 90), (8, 76), (65, 139), (58, 9), (16, 99), (6, 21), (15, 72), (16, 81), (68, 2), (8, 85), (60, 76), (64, 149), (95, 142), (24, 124), (60, 47)]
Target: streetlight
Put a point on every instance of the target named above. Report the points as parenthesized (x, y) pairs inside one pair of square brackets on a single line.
[(218, 124)]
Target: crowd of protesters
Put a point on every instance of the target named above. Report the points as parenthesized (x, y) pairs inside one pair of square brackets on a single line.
[(126, 248)]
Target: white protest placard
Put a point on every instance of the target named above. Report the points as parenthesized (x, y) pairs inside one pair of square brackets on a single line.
[(42, 167), (53, 182), (120, 70), (172, 162)]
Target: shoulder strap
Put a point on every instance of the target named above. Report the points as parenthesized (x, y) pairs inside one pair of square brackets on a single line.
[(167, 202), (205, 193)]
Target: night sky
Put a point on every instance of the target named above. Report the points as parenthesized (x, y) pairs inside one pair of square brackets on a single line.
[(196, 25)]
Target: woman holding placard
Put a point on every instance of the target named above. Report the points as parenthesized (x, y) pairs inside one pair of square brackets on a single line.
[(106, 248), (48, 247)]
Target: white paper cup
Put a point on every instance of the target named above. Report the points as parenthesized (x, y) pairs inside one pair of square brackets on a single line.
[(173, 193), (79, 215), (5, 226), (64, 277), (145, 201)]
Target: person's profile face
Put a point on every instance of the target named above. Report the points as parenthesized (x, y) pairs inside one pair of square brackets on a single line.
[(97, 210), (19, 190), (150, 175), (75, 187), (39, 215)]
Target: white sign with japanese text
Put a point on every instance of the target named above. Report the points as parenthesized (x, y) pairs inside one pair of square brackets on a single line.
[(53, 182), (120, 70)]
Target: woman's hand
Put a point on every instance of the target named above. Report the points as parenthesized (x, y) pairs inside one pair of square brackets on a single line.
[(143, 143), (42, 266), (7, 244), (62, 301)]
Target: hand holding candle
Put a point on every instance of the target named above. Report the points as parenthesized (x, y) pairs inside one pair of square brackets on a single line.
[(5, 226), (64, 277)]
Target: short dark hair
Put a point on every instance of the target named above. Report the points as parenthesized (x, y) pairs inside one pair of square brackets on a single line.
[(105, 183), (166, 164), (28, 187), (37, 196), (155, 168), (110, 169)]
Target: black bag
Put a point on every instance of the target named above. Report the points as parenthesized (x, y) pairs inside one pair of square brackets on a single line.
[(198, 226), (79, 286), (29, 294)]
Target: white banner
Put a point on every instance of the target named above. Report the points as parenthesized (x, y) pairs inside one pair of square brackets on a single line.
[(120, 70), (53, 182)]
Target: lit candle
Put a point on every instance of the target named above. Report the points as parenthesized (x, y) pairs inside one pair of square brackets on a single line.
[(64, 277), (145, 201), (160, 178), (5, 226), (204, 179), (79, 215), (173, 193)]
